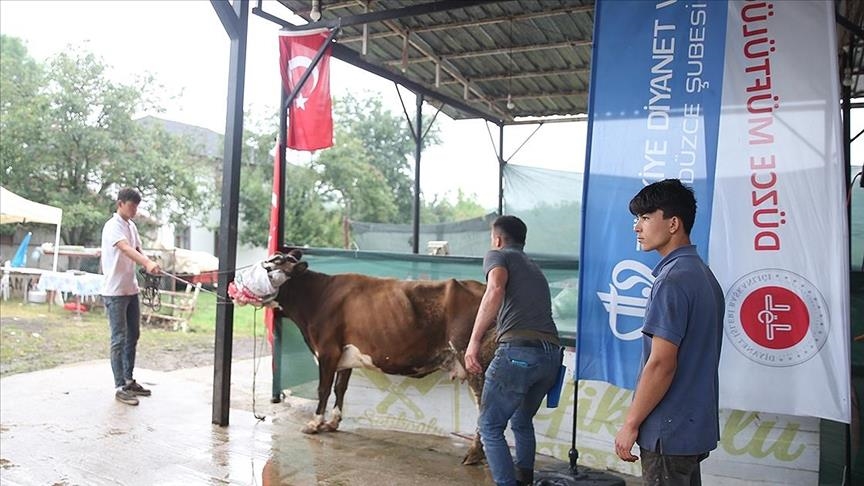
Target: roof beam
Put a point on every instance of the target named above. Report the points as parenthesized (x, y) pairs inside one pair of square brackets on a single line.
[(421, 46), (566, 10), (543, 94), (354, 58), (227, 16), (380, 15), (525, 75), (496, 52), (346, 54)]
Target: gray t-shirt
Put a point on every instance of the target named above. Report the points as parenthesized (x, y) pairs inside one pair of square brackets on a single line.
[(527, 303)]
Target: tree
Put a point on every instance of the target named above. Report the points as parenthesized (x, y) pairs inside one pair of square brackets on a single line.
[(21, 105), (72, 130), (382, 139), (441, 210), (365, 176), (307, 219), (351, 180)]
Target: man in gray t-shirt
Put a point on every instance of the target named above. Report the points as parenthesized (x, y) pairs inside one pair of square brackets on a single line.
[(528, 357)]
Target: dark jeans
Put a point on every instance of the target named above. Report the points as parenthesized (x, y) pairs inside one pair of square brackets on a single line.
[(669, 470), (516, 382), (124, 318)]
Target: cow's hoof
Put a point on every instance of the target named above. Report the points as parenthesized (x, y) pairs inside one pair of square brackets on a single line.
[(473, 458), (310, 429), (328, 427)]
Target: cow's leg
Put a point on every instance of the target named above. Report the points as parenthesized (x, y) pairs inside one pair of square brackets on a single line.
[(342, 377), (475, 454), (326, 371)]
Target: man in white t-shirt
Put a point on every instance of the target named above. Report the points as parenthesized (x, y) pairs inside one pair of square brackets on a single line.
[(121, 250)]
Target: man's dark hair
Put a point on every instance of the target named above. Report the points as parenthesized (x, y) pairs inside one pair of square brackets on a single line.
[(129, 194), (511, 228), (670, 196)]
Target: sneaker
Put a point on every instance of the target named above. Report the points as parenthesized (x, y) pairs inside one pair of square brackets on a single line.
[(135, 389), (126, 397)]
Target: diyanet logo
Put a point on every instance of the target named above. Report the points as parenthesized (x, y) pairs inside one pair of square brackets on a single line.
[(776, 318), (626, 275)]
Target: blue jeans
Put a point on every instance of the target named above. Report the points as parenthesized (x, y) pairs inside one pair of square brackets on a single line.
[(516, 382), (124, 318)]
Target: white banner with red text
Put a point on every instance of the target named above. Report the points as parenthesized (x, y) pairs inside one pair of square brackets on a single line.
[(778, 229)]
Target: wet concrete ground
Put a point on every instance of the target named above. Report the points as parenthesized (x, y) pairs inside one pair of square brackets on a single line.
[(63, 427)]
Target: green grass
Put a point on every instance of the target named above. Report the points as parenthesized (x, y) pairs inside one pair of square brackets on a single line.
[(34, 337), (204, 317)]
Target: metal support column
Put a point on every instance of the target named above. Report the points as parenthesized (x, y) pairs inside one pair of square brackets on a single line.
[(501, 163), (236, 24), (418, 146), (276, 388), (845, 94)]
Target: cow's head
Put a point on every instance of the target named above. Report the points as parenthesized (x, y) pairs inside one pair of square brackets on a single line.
[(259, 284), (288, 264)]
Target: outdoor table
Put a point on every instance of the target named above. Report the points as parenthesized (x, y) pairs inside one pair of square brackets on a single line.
[(77, 283)]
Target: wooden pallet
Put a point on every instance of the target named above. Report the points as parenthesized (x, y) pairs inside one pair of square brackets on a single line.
[(175, 309)]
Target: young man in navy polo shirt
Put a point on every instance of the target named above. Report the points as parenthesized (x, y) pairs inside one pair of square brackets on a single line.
[(674, 414)]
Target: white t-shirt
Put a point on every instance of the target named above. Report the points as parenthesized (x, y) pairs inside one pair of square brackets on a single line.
[(119, 269)]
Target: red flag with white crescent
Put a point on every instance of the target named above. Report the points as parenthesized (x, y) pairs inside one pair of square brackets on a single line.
[(310, 120)]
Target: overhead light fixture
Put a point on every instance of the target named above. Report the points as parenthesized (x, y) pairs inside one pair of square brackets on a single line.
[(315, 13), (510, 104)]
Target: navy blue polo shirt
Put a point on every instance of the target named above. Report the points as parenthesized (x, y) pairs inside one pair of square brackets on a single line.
[(686, 308)]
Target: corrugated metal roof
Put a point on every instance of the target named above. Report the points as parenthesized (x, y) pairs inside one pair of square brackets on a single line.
[(493, 59)]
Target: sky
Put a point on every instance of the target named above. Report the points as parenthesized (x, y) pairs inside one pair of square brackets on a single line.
[(183, 44)]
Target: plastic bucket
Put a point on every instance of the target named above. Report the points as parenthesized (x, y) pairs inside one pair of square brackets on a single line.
[(37, 296)]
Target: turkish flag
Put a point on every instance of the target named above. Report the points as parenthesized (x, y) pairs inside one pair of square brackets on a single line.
[(310, 120)]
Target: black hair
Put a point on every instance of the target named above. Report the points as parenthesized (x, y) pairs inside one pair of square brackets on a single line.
[(670, 196), (129, 194), (511, 228)]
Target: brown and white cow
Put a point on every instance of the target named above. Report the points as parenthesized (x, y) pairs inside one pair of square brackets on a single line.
[(410, 328)]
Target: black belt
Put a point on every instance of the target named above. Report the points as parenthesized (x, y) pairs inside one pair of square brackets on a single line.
[(529, 343)]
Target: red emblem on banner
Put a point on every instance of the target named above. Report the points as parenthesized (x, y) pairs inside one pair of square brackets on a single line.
[(310, 118), (776, 317)]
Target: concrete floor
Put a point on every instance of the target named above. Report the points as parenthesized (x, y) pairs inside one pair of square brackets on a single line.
[(63, 427)]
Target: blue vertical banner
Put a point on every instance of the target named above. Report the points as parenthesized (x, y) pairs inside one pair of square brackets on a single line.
[(654, 113)]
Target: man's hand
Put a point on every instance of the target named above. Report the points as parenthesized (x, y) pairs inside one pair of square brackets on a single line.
[(152, 268), (472, 358), (624, 440)]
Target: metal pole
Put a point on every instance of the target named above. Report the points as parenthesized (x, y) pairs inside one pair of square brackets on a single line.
[(846, 90), (227, 251), (276, 391), (501, 163), (418, 145)]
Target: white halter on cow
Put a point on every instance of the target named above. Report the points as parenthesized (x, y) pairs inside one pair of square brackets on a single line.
[(259, 284)]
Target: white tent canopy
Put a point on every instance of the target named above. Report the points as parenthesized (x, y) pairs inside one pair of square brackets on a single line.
[(16, 209)]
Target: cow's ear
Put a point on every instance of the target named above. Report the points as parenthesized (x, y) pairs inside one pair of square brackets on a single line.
[(300, 268)]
